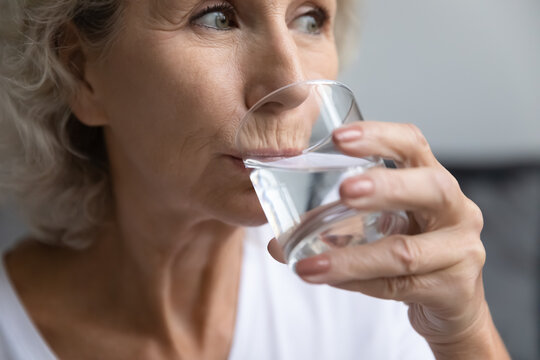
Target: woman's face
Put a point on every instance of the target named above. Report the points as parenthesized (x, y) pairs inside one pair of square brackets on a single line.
[(181, 75)]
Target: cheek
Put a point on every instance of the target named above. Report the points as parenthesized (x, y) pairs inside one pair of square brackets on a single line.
[(198, 88), (168, 104)]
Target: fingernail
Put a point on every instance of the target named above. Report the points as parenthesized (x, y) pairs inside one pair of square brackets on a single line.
[(313, 265), (347, 135), (360, 187)]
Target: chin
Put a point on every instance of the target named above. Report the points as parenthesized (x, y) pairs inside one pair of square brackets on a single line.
[(243, 211), (252, 221)]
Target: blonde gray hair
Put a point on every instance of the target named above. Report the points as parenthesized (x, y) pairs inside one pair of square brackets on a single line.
[(55, 166)]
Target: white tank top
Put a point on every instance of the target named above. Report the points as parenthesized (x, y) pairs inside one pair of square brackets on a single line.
[(279, 317)]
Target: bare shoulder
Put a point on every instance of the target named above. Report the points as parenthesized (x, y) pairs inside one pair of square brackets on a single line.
[(30, 263), (43, 277)]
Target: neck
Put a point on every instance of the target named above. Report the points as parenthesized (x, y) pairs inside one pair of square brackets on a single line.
[(170, 267), (177, 286), (180, 292)]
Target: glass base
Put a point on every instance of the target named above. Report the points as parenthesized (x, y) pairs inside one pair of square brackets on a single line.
[(336, 226)]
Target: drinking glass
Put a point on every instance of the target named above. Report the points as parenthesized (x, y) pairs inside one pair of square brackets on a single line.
[(286, 141)]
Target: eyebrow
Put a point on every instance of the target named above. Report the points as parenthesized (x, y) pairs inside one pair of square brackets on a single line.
[(157, 5), (159, 8)]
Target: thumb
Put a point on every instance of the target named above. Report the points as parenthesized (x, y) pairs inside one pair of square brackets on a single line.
[(275, 250)]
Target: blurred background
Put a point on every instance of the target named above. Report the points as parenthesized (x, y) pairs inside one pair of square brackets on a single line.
[(468, 74)]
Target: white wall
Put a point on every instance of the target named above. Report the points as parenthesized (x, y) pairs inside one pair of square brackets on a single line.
[(466, 72)]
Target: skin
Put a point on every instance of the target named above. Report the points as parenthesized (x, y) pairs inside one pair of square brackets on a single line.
[(161, 279), (437, 267)]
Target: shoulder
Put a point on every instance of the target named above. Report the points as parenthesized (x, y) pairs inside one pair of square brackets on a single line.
[(27, 268), (34, 275), (19, 338)]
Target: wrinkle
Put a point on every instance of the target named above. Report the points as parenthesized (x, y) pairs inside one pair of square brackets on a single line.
[(172, 11)]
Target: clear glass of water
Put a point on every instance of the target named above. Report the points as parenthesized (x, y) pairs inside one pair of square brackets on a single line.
[(286, 139)]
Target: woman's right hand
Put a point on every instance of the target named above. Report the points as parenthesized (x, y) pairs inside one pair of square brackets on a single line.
[(437, 267)]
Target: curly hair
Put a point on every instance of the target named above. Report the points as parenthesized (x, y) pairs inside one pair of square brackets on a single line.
[(55, 166)]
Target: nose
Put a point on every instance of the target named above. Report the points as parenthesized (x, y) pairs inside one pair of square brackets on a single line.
[(274, 62), (290, 97)]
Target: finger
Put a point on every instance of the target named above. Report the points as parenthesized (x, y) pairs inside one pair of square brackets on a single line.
[(409, 289), (275, 250), (441, 289), (394, 256), (403, 143), (433, 191)]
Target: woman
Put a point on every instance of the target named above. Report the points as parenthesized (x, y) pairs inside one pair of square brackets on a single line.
[(118, 120)]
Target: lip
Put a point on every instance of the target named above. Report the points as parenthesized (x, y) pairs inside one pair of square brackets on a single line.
[(238, 163), (271, 153), (265, 154)]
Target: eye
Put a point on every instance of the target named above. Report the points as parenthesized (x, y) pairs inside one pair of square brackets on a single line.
[(311, 22), (218, 17)]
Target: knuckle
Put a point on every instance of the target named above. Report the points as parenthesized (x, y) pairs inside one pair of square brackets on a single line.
[(481, 255), (475, 217), (405, 251), (417, 137), (477, 253), (447, 186), (473, 252)]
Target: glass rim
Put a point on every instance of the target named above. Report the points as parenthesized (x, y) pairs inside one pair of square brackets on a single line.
[(257, 105), (303, 82)]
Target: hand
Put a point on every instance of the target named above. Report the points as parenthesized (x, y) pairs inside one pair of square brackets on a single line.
[(437, 267)]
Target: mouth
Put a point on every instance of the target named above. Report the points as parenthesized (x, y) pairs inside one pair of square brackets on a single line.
[(269, 154), (265, 155), (238, 163)]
